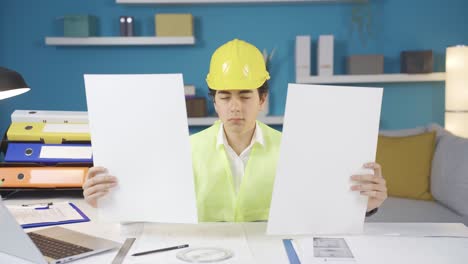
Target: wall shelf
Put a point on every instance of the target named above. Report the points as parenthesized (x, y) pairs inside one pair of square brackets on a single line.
[(118, 41), (229, 1), (208, 121), (374, 78)]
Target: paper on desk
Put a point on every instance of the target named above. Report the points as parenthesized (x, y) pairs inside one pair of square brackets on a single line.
[(416, 229), (323, 250), (228, 236), (329, 132), (261, 245), (58, 212), (139, 131), (408, 250)]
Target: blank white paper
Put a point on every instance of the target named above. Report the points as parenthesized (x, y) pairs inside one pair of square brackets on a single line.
[(139, 131), (408, 250), (329, 132), (416, 229)]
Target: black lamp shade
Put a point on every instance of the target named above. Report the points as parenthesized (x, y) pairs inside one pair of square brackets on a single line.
[(11, 83)]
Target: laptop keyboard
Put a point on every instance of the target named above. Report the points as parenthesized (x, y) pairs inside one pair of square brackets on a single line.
[(56, 249)]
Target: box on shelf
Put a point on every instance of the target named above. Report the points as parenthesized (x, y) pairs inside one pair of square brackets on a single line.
[(196, 106), (417, 61), (79, 26), (174, 25), (189, 90), (325, 53), (365, 64), (302, 56)]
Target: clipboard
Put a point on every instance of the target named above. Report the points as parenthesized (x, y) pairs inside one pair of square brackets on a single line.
[(291, 252), (37, 211)]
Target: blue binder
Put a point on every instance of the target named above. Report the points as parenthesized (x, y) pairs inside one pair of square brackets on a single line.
[(31, 152), (291, 252)]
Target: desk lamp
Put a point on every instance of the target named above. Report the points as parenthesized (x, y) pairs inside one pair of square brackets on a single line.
[(456, 91), (11, 83)]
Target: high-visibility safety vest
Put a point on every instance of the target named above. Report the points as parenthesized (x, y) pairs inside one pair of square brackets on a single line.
[(216, 196)]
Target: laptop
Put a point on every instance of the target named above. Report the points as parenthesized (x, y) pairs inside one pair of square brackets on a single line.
[(51, 245)]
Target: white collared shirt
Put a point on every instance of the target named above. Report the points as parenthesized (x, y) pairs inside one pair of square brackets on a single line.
[(239, 162)]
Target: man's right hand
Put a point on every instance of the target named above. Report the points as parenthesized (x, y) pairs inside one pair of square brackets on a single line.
[(98, 183)]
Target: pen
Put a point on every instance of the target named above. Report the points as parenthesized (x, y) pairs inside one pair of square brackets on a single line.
[(160, 250), (39, 205)]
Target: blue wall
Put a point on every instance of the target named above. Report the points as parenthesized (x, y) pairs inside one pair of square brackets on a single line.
[(56, 73)]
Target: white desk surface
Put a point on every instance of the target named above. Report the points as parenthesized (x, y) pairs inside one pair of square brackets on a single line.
[(265, 249)]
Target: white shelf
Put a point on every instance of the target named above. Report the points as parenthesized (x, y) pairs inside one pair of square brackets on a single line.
[(118, 41), (376, 78), (208, 121), (227, 1)]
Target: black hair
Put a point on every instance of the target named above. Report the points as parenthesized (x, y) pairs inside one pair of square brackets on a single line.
[(262, 90)]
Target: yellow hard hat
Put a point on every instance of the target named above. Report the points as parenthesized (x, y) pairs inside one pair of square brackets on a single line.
[(237, 65)]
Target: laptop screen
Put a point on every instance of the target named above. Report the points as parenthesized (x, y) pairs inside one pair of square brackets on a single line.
[(14, 240)]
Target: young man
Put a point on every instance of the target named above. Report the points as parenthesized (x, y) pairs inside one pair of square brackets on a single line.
[(234, 160)]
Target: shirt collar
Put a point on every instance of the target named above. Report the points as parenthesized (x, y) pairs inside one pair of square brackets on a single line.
[(257, 137)]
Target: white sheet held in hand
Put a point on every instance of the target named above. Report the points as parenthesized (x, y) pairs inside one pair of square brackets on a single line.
[(139, 131), (329, 132)]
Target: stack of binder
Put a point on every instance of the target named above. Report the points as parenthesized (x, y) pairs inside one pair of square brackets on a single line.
[(46, 149)]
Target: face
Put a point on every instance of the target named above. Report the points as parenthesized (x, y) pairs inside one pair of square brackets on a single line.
[(238, 109)]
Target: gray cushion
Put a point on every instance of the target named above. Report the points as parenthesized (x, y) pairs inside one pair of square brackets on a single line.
[(440, 131), (449, 176), (407, 210)]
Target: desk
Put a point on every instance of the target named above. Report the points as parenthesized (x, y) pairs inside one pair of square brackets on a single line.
[(264, 249)]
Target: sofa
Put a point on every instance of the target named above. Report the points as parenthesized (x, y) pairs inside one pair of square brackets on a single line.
[(447, 176)]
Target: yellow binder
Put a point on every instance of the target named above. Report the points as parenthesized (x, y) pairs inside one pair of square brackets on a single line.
[(48, 133)]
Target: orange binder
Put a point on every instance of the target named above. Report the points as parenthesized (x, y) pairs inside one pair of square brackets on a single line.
[(42, 177)]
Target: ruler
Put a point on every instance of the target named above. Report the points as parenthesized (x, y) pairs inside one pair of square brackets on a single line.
[(119, 258)]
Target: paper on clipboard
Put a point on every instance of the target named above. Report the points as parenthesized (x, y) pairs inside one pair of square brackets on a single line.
[(47, 214)]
